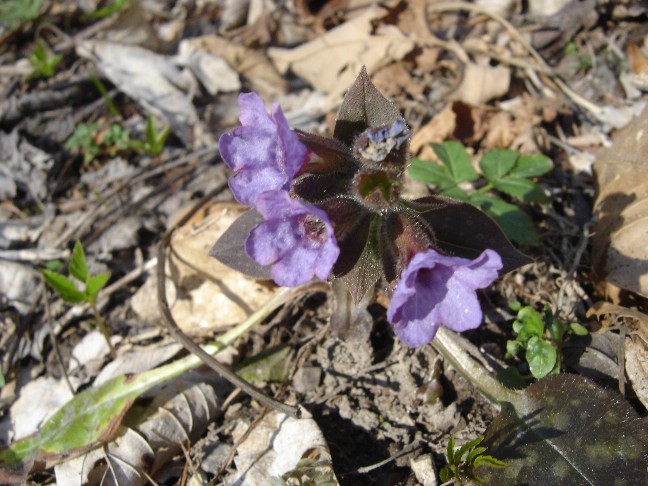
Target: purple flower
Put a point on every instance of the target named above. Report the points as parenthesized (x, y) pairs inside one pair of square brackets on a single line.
[(296, 239), (264, 152), (437, 290)]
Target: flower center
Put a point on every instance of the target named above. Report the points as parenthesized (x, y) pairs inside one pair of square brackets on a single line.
[(314, 229)]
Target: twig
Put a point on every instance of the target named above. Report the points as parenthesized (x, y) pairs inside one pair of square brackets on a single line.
[(103, 327), (57, 351), (367, 469), (182, 338)]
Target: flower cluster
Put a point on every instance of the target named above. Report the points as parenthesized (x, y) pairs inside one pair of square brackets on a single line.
[(295, 238), (331, 208)]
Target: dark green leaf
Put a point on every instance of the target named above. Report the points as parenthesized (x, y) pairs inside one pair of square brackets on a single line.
[(567, 430), (496, 163), (64, 287), (446, 474), (78, 266), (541, 357), (473, 455), (456, 193), (95, 284), (532, 166), (450, 450), (466, 447), (511, 377), (432, 173), (514, 222), (519, 188), (488, 461), (513, 347), (456, 159)]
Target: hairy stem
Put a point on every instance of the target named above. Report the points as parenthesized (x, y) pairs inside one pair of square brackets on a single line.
[(449, 344)]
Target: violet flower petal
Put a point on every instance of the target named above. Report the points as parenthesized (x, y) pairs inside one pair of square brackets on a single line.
[(296, 238), (264, 152), (437, 290)]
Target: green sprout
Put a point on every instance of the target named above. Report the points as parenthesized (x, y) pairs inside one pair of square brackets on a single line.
[(502, 170), (104, 12), (90, 287), (84, 139), (541, 337), (43, 63), (14, 13), (461, 468), (154, 139)]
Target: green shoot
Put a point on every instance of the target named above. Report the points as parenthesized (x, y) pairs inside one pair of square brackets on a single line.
[(84, 138), (104, 12), (14, 13), (502, 171), (43, 64), (463, 462), (541, 337), (2, 377), (91, 285), (117, 139)]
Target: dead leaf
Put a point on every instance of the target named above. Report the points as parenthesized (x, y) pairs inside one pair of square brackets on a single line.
[(636, 361), (132, 25), (206, 296), (482, 83), (278, 445), (343, 51), (394, 79), (638, 63), (619, 250), (435, 131), (250, 63), (213, 71), (152, 80)]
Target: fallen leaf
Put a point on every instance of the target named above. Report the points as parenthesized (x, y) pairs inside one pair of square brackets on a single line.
[(250, 63), (435, 131), (212, 71), (281, 446), (152, 80), (205, 296), (343, 51), (619, 250), (636, 364), (482, 83)]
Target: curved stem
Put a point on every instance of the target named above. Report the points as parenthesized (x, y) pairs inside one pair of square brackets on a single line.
[(449, 345), (103, 327)]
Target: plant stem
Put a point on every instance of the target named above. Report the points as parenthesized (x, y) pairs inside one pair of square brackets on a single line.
[(449, 345), (103, 327)]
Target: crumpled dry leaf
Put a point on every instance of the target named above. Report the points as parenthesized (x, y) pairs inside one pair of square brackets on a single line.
[(435, 131), (250, 63), (178, 416), (278, 445), (482, 83), (619, 250), (206, 296), (132, 25), (635, 344), (152, 80), (343, 51), (213, 71)]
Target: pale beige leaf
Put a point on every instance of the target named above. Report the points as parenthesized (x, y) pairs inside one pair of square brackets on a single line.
[(636, 361), (331, 62), (481, 83)]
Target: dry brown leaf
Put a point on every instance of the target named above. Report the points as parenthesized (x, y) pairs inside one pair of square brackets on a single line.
[(481, 83), (251, 63), (435, 131), (331, 62), (396, 78), (638, 63), (206, 296), (636, 344), (619, 249)]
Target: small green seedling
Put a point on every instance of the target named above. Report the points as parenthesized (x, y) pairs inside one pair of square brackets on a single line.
[(84, 138), (117, 139), (461, 468), (541, 337), (14, 13), (2, 377), (154, 140), (502, 170), (90, 287), (43, 63), (104, 12)]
